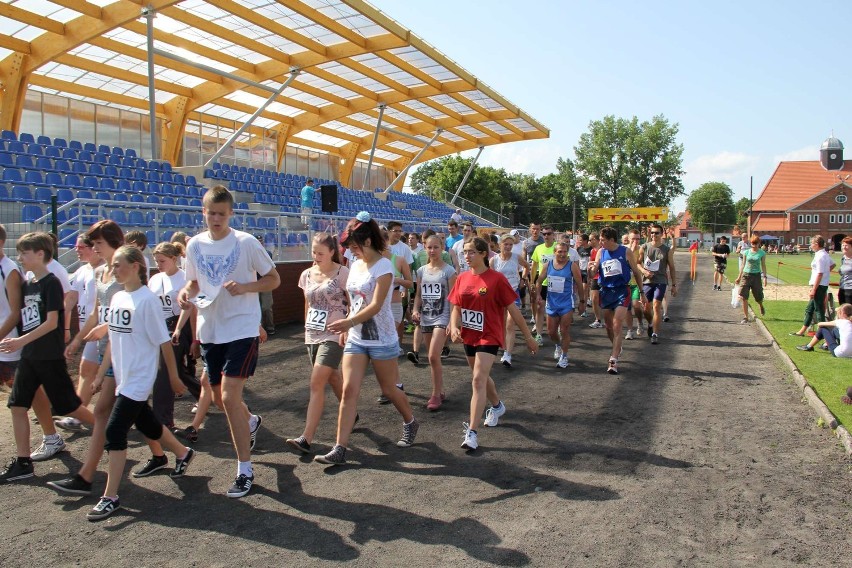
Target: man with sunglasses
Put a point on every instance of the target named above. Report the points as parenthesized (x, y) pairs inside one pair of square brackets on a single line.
[(657, 258), (541, 257)]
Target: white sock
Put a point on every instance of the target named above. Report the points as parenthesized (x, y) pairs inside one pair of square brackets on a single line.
[(244, 468), (252, 421)]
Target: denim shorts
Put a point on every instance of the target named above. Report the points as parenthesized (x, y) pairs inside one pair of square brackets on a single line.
[(379, 352)]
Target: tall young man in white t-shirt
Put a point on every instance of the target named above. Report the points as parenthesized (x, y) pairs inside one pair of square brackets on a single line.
[(10, 311), (222, 265)]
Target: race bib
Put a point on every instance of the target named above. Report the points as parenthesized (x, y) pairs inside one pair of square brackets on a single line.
[(431, 290), (30, 318), (652, 266), (103, 314), (81, 312), (316, 319), (555, 284), (611, 267), (472, 319), (584, 263), (166, 302), (545, 259)]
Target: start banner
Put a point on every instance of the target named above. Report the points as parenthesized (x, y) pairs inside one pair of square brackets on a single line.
[(616, 214)]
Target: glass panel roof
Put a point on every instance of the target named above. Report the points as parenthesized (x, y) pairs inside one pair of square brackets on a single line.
[(344, 77)]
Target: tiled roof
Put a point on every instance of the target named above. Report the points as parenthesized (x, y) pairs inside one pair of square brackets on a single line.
[(768, 223), (795, 182)]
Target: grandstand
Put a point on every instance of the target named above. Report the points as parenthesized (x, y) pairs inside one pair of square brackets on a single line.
[(130, 109)]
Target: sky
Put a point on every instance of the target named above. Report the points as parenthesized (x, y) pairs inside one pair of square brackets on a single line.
[(749, 83)]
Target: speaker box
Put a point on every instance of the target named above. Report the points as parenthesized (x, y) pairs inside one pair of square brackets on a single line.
[(329, 198)]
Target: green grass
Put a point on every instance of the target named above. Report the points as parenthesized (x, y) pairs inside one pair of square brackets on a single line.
[(789, 268), (828, 375)]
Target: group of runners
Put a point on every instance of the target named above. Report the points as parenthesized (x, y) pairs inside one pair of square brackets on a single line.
[(467, 291)]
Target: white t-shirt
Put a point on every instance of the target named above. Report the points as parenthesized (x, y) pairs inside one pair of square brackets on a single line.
[(518, 249), (136, 331), (379, 330), (55, 268), (166, 288), (821, 263), (238, 257), (573, 255), (83, 282), (458, 247), (7, 266), (403, 250), (844, 349)]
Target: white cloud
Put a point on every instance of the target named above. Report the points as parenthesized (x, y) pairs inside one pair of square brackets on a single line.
[(728, 167), (536, 157), (806, 153)]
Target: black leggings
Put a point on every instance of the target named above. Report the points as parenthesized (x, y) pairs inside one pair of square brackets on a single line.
[(164, 397), (127, 412)]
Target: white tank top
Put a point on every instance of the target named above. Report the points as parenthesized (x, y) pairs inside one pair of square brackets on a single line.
[(508, 268)]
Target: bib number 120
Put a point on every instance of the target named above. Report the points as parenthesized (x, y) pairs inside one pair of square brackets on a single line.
[(472, 319)]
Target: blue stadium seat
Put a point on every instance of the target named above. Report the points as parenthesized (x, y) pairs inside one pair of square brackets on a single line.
[(24, 161), (85, 194), (91, 182), (44, 164), (8, 135), (85, 156), (137, 219), (90, 147), (167, 200), (43, 194), (60, 142), (16, 147), (69, 154), (114, 160), (6, 160), (155, 199), (137, 198), (185, 220), (153, 175), (33, 178), (4, 193), (75, 145), (180, 191), (155, 188), (130, 153), (118, 216), (118, 151), (12, 176), (167, 189), (183, 201), (26, 138), (140, 187), (79, 168), (111, 171), (107, 184), (96, 169), (67, 237), (120, 197), (198, 220), (35, 150), (123, 185), (103, 196), (72, 180), (169, 219), (30, 213), (195, 203), (151, 236), (21, 193)]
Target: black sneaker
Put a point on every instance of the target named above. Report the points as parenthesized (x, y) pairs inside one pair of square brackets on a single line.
[(300, 443), (254, 431), (156, 463), (414, 357), (17, 469), (241, 487), (182, 465), (337, 456), (103, 509), (665, 318), (445, 352), (409, 432), (75, 485), (190, 434), (382, 399), (804, 348), (650, 331)]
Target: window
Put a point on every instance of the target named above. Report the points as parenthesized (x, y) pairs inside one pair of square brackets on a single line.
[(801, 218), (816, 218), (801, 240), (849, 219), (840, 198), (831, 219), (807, 218)]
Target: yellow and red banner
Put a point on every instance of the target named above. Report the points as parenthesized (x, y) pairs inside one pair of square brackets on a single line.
[(616, 214)]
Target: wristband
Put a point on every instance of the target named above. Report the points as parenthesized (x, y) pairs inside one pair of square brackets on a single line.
[(196, 342)]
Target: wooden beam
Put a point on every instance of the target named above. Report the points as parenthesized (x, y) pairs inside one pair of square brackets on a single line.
[(12, 12), (348, 155), (92, 93), (262, 21), (80, 6), (175, 127), (14, 44), (14, 91), (116, 73), (281, 132), (328, 23)]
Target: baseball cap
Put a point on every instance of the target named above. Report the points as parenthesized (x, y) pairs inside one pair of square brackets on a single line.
[(514, 232)]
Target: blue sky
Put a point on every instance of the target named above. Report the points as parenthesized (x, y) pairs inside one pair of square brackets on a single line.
[(748, 83)]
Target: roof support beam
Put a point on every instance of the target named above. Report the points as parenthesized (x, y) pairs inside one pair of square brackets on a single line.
[(365, 185), (466, 175), (282, 133), (152, 91), (348, 154), (293, 74), (209, 69), (176, 119), (413, 161), (14, 89)]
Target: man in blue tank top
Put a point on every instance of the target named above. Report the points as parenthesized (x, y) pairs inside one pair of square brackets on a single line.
[(614, 266)]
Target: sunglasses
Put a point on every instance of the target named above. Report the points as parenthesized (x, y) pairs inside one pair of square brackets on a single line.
[(654, 233), (546, 233)]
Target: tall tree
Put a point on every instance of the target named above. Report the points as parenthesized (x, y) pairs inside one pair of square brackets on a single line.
[(742, 207), (712, 207), (625, 163)]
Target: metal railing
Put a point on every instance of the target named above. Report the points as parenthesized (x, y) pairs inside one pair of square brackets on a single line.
[(468, 206)]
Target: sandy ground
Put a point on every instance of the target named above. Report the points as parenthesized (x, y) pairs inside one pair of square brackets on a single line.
[(701, 453)]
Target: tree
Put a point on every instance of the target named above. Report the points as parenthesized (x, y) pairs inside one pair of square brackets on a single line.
[(712, 207), (742, 207), (624, 163)]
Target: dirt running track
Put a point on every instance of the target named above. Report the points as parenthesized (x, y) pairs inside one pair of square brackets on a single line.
[(700, 453)]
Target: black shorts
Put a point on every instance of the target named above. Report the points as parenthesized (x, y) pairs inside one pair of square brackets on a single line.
[(53, 376), (236, 359), (431, 328), (584, 276), (594, 284), (543, 292), (472, 350)]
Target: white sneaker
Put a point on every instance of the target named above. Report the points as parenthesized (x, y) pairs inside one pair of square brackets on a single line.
[(557, 353), (563, 361), (640, 329), (630, 334), (532, 320), (470, 441), (69, 423), (47, 450), (539, 339), (596, 325), (506, 360), (493, 414)]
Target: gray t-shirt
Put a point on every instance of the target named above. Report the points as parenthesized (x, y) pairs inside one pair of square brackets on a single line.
[(656, 260), (530, 244), (845, 273), (434, 289)]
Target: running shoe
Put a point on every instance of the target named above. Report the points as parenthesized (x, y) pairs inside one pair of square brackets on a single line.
[(409, 328), (493, 414), (655, 339), (69, 423), (596, 324), (631, 334), (506, 360), (16, 470), (584, 315), (300, 443), (665, 317), (190, 434), (744, 320), (74, 485), (532, 320), (155, 463), (435, 402), (48, 449), (762, 310), (258, 419), (337, 456), (409, 432), (612, 368), (414, 357), (382, 399), (563, 362), (470, 440), (241, 487), (539, 339), (181, 465), (650, 330), (445, 352), (194, 408), (557, 353), (804, 348), (103, 509)]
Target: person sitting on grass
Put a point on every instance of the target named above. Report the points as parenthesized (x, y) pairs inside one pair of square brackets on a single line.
[(837, 334)]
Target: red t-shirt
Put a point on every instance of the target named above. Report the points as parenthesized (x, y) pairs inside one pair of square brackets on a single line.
[(483, 299)]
